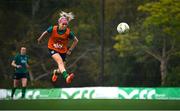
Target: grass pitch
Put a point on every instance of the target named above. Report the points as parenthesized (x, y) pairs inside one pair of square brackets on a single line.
[(89, 104)]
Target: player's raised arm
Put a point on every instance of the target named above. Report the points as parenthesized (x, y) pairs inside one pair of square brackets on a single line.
[(42, 35)]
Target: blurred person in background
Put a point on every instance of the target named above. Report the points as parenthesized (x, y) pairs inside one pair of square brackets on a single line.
[(20, 63)]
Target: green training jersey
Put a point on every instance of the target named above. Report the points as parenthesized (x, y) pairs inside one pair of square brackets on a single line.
[(21, 60)]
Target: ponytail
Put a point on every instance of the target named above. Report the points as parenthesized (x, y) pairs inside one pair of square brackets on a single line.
[(69, 16)]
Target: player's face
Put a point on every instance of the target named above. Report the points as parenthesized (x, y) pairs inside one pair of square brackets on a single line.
[(63, 26), (23, 50)]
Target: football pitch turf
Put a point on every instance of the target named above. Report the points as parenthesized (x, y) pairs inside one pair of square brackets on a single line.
[(89, 104)]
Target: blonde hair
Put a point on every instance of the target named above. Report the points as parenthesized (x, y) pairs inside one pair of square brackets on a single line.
[(69, 16)]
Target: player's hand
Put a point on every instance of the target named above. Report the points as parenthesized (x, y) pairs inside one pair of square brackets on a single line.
[(18, 66), (69, 52)]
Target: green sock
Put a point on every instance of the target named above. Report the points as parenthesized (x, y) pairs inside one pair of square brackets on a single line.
[(23, 91), (13, 91), (65, 74)]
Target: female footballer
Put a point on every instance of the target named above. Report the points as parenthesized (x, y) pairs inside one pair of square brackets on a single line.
[(58, 44), (20, 63)]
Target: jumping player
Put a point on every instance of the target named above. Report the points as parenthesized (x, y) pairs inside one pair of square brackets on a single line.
[(58, 44)]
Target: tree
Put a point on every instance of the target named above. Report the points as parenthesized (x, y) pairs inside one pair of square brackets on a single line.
[(157, 35)]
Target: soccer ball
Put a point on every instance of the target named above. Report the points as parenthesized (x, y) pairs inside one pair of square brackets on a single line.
[(123, 27)]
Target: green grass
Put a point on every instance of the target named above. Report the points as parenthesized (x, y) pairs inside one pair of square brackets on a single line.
[(90, 104)]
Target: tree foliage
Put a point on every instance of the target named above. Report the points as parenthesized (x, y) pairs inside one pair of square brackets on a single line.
[(131, 59), (157, 35)]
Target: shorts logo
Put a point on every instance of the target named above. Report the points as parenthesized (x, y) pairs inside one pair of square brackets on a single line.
[(52, 52)]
